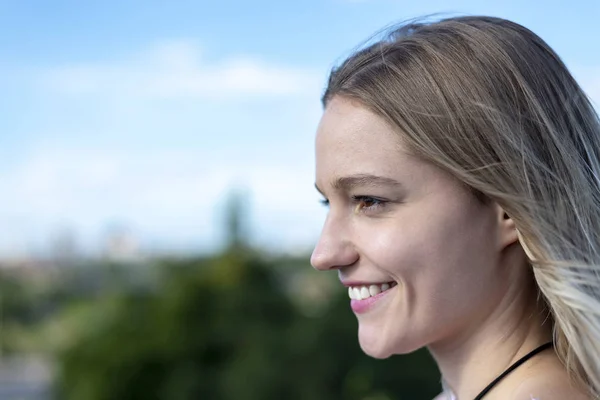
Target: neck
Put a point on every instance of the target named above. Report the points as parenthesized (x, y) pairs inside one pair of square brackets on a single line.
[(472, 359)]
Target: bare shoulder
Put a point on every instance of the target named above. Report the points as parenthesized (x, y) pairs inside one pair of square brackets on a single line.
[(544, 378), (553, 385)]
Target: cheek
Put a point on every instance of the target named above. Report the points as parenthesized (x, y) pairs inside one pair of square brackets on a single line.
[(389, 248), (454, 279), (441, 259)]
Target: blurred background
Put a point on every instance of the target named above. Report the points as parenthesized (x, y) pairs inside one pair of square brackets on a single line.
[(157, 201)]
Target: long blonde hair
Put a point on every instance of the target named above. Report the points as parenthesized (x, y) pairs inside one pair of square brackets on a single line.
[(490, 102)]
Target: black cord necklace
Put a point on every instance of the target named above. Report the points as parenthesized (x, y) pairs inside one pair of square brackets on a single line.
[(514, 366)]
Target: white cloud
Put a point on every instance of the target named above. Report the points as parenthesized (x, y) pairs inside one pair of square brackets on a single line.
[(172, 198), (142, 141), (177, 69)]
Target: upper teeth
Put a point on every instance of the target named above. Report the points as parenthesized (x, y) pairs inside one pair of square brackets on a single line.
[(364, 292)]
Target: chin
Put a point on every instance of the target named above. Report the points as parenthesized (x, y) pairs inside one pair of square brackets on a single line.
[(381, 346), (375, 350)]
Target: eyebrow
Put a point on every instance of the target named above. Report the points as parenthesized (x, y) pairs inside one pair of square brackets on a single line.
[(346, 183)]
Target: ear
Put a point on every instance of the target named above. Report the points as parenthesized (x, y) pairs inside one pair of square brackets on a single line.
[(507, 230)]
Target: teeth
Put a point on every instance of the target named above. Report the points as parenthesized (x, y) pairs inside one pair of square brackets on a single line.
[(364, 292), (374, 290)]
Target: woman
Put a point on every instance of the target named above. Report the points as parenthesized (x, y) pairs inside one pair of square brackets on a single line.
[(461, 164)]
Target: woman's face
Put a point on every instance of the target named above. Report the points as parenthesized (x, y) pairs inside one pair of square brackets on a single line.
[(399, 221)]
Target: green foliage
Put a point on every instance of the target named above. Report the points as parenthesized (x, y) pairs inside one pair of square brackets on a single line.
[(227, 328), (17, 311)]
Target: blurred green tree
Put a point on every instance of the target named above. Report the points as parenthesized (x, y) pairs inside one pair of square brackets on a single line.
[(235, 221), (18, 311), (224, 328)]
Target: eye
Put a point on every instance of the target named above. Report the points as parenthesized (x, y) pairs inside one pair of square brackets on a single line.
[(325, 202), (367, 203)]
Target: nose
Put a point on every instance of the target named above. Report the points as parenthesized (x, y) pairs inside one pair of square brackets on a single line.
[(334, 249)]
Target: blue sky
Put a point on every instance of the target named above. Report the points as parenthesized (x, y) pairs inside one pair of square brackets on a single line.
[(147, 113)]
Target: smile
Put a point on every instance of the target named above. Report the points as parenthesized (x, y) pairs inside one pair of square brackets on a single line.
[(366, 291)]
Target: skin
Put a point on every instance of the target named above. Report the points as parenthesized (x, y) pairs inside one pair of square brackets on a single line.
[(464, 289)]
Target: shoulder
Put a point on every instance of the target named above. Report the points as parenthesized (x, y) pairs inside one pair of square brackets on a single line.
[(549, 387)]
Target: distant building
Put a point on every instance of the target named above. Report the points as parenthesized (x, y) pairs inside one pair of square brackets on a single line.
[(121, 245)]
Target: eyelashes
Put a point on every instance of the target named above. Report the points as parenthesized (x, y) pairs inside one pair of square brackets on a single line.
[(362, 204)]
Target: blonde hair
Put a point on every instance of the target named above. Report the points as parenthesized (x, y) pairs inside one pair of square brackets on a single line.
[(491, 103)]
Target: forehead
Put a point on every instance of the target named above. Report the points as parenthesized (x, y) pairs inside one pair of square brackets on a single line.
[(352, 137)]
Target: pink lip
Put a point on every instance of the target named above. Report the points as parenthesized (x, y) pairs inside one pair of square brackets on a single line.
[(362, 306)]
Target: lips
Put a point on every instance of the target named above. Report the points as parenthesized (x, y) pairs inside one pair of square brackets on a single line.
[(364, 295)]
